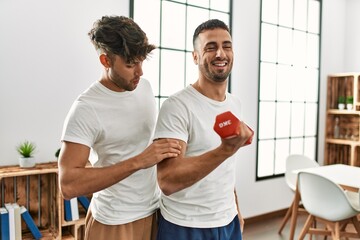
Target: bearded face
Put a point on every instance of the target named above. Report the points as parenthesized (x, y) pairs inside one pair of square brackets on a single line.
[(214, 54)]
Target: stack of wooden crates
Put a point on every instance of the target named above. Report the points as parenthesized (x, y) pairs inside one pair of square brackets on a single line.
[(344, 146), (37, 189)]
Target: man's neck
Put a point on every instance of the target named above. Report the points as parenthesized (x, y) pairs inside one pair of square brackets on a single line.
[(214, 91), (108, 83)]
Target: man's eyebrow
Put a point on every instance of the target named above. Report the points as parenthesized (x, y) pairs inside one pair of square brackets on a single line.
[(215, 43), (210, 43)]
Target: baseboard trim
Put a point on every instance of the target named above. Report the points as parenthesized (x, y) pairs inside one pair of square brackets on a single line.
[(266, 216)]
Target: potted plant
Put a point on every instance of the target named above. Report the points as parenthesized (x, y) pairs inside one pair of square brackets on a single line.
[(26, 149), (341, 102), (349, 102)]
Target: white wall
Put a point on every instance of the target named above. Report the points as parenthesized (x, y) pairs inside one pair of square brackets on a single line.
[(352, 36), (46, 61)]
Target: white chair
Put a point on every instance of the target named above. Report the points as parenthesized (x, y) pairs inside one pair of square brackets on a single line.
[(327, 202), (294, 162)]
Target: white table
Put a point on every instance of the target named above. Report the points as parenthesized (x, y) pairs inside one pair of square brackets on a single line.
[(346, 176)]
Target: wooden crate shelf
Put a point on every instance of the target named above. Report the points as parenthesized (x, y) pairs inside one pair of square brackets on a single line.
[(47, 235), (357, 155), (338, 153), (74, 231), (345, 148), (37, 189), (349, 126), (339, 85)]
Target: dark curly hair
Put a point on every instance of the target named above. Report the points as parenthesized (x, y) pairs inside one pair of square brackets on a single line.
[(209, 25), (121, 36)]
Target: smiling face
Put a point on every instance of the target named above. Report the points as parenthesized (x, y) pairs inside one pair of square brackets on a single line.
[(214, 54)]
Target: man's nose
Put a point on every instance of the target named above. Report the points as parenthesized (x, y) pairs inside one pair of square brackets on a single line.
[(220, 53), (139, 70)]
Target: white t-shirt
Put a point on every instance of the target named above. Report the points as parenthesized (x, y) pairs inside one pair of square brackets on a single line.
[(190, 117), (117, 126)]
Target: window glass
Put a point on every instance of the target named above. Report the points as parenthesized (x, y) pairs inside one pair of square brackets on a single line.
[(311, 113), (170, 82), (146, 19), (299, 44), (268, 84), (314, 17), (151, 68), (300, 14), (312, 51), (169, 37), (297, 146), (269, 47), (310, 146), (267, 120), (285, 45), (269, 11), (298, 76), (286, 13), (297, 119), (288, 83), (283, 85), (221, 16), (180, 1), (282, 120), (266, 158), (282, 148), (311, 85), (220, 5), (201, 3)]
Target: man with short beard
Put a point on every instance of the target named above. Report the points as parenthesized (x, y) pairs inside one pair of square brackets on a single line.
[(198, 200)]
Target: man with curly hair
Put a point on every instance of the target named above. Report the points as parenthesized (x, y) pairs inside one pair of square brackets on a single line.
[(114, 119)]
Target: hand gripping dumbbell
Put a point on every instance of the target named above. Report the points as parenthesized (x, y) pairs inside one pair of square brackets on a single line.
[(228, 125)]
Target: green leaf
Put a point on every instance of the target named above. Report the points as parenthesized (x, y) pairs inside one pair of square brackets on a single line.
[(26, 149)]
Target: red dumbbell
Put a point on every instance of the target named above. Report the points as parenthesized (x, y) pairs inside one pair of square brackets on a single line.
[(228, 125)]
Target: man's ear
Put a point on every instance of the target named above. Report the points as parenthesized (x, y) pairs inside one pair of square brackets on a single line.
[(105, 61), (195, 57)]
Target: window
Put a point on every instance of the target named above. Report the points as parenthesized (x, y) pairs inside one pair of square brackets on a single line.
[(288, 83), (170, 26)]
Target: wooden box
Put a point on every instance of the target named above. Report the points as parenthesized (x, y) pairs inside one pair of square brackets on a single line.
[(37, 190)]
